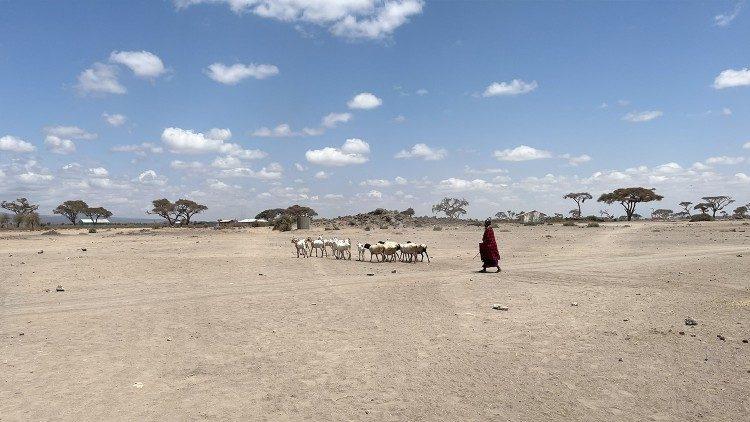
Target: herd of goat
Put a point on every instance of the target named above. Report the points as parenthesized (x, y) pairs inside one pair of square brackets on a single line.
[(342, 249)]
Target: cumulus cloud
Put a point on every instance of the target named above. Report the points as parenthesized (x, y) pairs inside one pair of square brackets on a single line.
[(372, 19), (422, 92), (731, 78), (100, 79), (58, 145), (322, 175), (333, 119), (724, 19), (514, 87), (150, 177), (144, 64), (281, 131), (231, 75), (471, 170), (423, 151), (353, 151), (377, 183), (114, 119), (642, 116), (34, 178), (574, 161), (14, 144), (98, 172), (185, 141), (272, 172), (461, 185), (364, 101), (746, 145), (742, 177), (522, 153)]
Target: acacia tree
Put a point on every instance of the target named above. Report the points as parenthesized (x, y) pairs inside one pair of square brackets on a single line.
[(686, 206), (717, 203), (270, 214), (409, 212), (166, 209), (703, 207), (741, 212), (71, 209), (629, 198), (579, 199), (452, 207), (4, 220), (299, 210), (32, 220), (187, 209), (96, 213), (662, 213), (20, 207), (502, 215)]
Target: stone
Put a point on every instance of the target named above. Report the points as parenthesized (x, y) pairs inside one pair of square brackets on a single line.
[(169, 338), (720, 337), (499, 307), (573, 303), (59, 288), (682, 333), (83, 249), (393, 272), (690, 321), (744, 341), (40, 252)]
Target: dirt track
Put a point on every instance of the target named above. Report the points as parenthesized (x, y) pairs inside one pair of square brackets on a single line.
[(180, 324)]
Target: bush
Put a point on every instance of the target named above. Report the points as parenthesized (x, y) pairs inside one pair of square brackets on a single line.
[(701, 217), (569, 224), (283, 223), (437, 228), (368, 228), (92, 230), (383, 227), (592, 224)]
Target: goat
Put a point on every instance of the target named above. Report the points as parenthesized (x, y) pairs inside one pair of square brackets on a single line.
[(421, 251), (390, 249), (408, 252), (301, 245), (360, 252), (317, 244), (376, 250), (342, 247)]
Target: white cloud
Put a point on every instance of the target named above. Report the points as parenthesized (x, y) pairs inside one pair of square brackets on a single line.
[(186, 165), (227, 162), (399, 119), (470, 170), (114, 119), (58, 145), (731, 78), (461, 185), (742, 177), (746, 145), (185, 141), (514, 87), (231, 75), (333, 196), (725, 160), (281, 131), (522, 153), (322, 175), (400, 180), (311, 131), (69, 132), (14, 144), (574, 161), (333, 119), (71, 167), (373, 19), (149, 177), (423, 151), (143, 63), (724, 19), (422, 92), (364, 101), (100, 79), (726, 111), (34, 178), (377, 183), (266, 173), (98, 172), (139, 149), (354, 151), (375, 194), (299, 167), (642, 116)]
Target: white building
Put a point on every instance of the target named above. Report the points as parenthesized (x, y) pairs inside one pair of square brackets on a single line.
[(90, 221), (532, 217)]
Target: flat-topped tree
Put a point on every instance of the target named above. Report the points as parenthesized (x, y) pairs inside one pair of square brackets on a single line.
[(502, 215), (96, 213), (270, 214), (186, 209), (71, 209), (165, 209), (662, 213), (20, 207), (579, 198), (629, 198), (452, 207), (717, 203), (741, 212), (703, 207), (300, 211), (686, 206)]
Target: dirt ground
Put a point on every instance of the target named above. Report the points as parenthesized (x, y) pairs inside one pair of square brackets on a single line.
[(178, 324)]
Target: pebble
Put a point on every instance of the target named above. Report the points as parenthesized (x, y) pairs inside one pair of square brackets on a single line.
[(83, 249), (682, 333), (370, 274), (744, 341), (40, 252), (59, 288), (169, 338), (499, 307), (573, 303), (720, 337), (690, 321), (138, 385), (393, 272)]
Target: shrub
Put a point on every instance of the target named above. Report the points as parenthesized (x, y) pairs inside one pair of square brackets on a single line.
[(437, 228), (368, 228), (701, 217), (592, 224), (283, 223), (92, 230), (383, 227), (569, 224)]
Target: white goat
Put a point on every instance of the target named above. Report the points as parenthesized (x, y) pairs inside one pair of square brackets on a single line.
[(317, 244), (408, 252), (330, 243), (360, 252), (376, 250), (390, 249), (343, 247), (300, 244)]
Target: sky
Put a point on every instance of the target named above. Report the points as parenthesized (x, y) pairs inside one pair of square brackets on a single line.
[(351, 105)]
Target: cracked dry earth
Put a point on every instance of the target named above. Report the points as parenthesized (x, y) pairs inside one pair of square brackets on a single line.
[(177, 324)]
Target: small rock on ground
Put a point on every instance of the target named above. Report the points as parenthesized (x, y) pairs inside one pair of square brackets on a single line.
[(499, 307), (690, 321)]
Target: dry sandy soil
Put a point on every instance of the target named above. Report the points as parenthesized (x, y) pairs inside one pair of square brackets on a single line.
[(178, 324)]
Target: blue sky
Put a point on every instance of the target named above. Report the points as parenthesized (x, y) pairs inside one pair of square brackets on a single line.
[(351, 105)]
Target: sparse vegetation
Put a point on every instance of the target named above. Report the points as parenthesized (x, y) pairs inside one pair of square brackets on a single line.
[(71, 209), (629, 198), (579, 198), (592, 224), (569, 224), (283, 223), (437, 228), (92, 230), (452, 207), (701, 217), (21, 207)]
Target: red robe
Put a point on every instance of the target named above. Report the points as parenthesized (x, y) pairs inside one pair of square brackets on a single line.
[(488, 248)]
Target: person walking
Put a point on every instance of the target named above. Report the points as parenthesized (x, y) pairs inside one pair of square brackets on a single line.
[(488, 248)]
